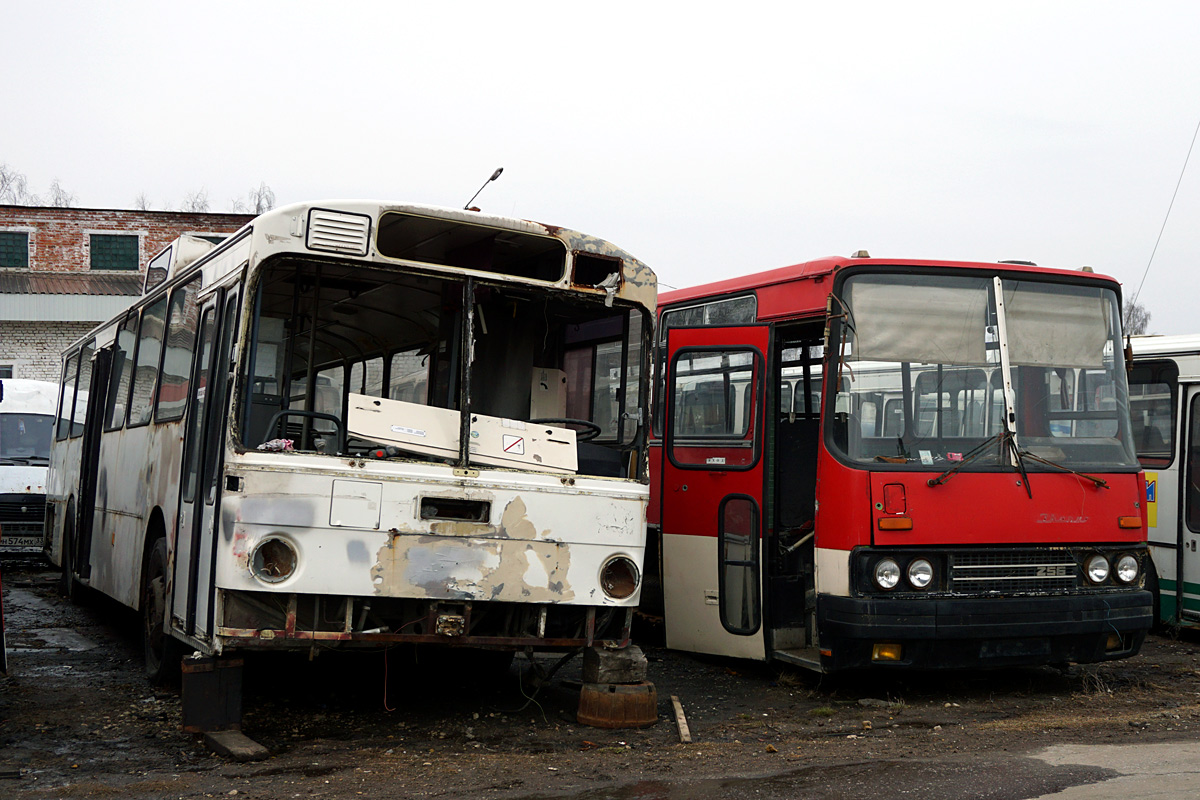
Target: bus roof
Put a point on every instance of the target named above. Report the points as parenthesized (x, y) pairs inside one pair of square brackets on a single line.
[(1180, 344), (791, 279)]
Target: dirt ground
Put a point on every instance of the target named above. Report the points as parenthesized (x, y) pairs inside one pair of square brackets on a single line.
[(77, 719)]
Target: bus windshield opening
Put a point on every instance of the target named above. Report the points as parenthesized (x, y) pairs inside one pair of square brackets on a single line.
[(554, 379), (934, 367)]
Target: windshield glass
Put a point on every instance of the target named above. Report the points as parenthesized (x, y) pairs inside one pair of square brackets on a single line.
[(348, 359), (922, 384), (26, 437)]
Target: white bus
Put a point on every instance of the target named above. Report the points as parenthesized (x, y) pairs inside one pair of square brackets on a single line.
[(26, 430), (1164, 404), (356, 424)]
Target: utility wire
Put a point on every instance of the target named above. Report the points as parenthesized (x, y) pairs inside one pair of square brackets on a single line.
[(1168, 215)]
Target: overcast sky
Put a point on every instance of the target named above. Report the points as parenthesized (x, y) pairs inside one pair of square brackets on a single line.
[(731, 139)]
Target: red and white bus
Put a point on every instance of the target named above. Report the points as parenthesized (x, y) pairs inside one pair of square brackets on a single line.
[(963, 492)]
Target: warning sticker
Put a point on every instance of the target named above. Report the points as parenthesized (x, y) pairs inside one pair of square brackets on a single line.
[(1152, 499), (513, 445)]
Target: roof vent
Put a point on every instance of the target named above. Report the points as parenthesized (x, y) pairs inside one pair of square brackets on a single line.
[(337, 232)]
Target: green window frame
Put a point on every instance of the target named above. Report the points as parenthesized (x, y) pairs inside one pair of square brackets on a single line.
[(112, 251), (14, 250)]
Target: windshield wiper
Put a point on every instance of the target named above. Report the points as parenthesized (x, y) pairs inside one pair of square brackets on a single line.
[(971, 456), (1100, 482), (13, 460), (1008, 444)]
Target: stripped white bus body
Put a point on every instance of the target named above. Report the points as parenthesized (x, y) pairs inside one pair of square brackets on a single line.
[(366, 533)]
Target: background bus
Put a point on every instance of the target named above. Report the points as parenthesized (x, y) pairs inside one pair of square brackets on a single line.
[(1164, 403), (357, 424), (911, 463), (26, 430)]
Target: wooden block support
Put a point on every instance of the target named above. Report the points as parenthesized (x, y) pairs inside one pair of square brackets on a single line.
[(685, 734), (605, 665), (235, 745)]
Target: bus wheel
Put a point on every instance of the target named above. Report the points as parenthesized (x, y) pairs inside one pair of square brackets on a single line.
[(68, 585), (1157, 625), (163, 651)]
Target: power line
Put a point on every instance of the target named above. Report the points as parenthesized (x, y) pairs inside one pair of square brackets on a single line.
[(1168, 215)]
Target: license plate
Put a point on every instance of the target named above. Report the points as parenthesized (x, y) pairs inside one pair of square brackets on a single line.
[(20, 541)]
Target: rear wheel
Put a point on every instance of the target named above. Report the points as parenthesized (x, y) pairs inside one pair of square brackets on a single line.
[(68, 585), (163, 651), (1152, 586)]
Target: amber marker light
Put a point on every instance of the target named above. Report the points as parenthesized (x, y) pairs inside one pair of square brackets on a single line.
[(1129, 522), (895, 523), (887, 652)]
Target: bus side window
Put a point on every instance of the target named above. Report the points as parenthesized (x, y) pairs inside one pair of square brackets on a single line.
[(145, 371), (122, 371), (177, 356), (66, 396), (82, 388)]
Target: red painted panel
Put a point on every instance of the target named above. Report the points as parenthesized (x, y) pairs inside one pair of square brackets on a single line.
[(690, 498), (843, 504), (993, 508)]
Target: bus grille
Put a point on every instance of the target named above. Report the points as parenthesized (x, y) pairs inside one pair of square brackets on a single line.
[(28, 508), (1014, 571)]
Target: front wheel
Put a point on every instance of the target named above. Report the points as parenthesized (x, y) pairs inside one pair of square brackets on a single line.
[(163, 651)]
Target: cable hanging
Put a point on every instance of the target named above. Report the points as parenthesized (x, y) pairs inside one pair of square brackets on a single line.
[(1168, 215)]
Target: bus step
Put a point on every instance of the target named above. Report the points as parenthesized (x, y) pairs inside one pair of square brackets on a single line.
[(807, 657)]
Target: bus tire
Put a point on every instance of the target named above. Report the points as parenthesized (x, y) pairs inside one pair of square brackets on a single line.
[(68, 585), (163, 651), (1157, 625)]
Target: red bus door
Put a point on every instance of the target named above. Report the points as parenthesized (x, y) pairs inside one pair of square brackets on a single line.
[(712, 485)]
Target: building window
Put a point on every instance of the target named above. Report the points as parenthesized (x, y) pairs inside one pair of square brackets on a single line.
[(6, 370), (14, 250), (114, 251)]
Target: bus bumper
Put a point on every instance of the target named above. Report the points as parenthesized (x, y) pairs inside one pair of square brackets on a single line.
[(952, 633)]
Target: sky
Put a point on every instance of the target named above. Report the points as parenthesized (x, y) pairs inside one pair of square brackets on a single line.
[(726, 140)]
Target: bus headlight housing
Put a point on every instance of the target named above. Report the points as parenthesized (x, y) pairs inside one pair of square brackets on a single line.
[(1126, 568), (920, 573), (274, 560), (1096, 568), (887, 574), (619, 577)]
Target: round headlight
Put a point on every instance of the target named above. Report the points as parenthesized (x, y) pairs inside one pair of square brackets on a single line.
[(619, 578), (887, 574), (1127, 569), (920, 573), (273, 560), (1097, 569)]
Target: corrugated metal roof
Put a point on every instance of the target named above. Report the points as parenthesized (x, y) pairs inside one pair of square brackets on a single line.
[(59, 283)]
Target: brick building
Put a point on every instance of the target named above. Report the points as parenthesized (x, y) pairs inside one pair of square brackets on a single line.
[(63, 270)]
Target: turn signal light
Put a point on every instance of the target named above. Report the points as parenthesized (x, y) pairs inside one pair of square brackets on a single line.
[(895, 523), (1129, 522), (886, 652)]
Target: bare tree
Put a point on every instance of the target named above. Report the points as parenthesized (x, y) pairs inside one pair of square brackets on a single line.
[(262, 199), (259, 200), (141, 202), (196, 202), (1135, 319), (59, 197), (13, 188)]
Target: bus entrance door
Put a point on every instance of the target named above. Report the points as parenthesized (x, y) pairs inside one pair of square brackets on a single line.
[(204, 441), (1188, 586), (712, 485)]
